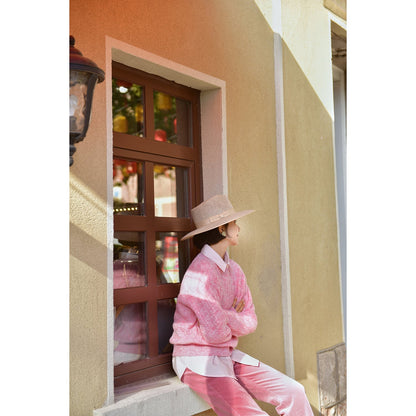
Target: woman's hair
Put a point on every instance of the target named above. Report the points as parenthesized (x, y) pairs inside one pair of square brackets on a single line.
[(208, 237)]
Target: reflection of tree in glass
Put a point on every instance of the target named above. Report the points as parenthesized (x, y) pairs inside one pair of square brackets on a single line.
[(127, 108), (165, 116)]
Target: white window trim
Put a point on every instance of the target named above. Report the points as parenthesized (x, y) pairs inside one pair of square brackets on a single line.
[(282, 190), (339, 109), (340, 152), (214, 155)]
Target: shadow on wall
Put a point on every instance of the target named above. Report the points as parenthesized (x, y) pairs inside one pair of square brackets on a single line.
[(312, 223), (88, 250), (88, 297), (88, 212)]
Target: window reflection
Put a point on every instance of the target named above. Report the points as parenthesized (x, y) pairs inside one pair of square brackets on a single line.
[(130, 333), (172, 257), (128, 108), (167, 258), (129, 260), (128, 187), (171, 191), (165, 312), (172, 119)]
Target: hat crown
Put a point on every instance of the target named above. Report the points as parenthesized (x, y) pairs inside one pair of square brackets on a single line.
[(211, 210), (212, 213)]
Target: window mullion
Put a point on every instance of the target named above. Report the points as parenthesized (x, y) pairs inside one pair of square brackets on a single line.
[(153, 337)]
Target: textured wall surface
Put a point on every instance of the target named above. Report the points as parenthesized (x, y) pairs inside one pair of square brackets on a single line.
[(311, 198)]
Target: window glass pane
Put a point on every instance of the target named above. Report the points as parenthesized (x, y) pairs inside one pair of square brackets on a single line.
[(172, 119), (165, 311), (129, 259), (172, 257), (128, 187), (130, 333), (171, 191), (128, 108)]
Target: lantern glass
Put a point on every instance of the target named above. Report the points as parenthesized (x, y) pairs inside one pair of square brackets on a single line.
[(81, 86), (78, 88)]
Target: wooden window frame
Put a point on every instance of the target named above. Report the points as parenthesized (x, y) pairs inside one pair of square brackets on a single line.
[(149, 151)]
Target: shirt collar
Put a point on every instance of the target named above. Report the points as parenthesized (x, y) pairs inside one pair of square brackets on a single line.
[(209, 252)]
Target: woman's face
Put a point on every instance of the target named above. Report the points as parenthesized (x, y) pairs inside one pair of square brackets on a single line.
[(233, 231)]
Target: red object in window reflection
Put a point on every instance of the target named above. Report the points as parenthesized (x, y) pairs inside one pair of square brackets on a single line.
[(160, 135), (170, 267), (121, 83), (128, 168)]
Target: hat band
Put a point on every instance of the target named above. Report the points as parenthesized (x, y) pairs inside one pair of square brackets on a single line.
[(216, 217)]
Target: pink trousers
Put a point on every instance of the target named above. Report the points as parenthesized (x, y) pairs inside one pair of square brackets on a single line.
[(230, 397)]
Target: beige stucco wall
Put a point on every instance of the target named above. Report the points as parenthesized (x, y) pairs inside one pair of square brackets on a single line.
[(229, 40), (305, 34), (312, 221), (88, 263)]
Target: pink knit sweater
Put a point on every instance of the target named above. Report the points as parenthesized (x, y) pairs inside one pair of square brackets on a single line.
[(205, 322)]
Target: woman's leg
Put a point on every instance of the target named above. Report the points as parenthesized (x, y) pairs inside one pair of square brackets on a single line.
[(224, 394), (271, 386)]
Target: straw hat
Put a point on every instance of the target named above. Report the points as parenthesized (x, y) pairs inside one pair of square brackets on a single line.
[(212, 213)]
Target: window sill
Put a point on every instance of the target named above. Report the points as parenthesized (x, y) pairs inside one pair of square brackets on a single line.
[(162, 396)]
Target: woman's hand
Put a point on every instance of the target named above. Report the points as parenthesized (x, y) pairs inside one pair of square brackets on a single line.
[(238, 306)]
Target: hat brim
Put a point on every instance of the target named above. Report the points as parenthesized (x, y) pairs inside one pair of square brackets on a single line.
[(215, 224)]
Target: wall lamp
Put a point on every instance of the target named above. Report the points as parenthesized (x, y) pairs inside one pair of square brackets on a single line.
[(83, 75)]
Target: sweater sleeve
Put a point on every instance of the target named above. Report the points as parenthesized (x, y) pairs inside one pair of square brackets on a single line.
[(198, 293), (245, 322)]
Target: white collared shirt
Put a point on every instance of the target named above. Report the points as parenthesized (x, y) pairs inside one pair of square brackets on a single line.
[(212, 365), (209, 252)]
